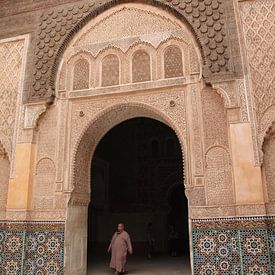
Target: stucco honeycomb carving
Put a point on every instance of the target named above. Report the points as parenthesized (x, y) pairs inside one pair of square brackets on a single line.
[(258, 24), (58, 26), (95, 44)]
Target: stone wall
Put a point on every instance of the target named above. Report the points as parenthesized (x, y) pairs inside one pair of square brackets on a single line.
[(257, 18), (12, 65), (12, 53), (268, 169), (216, 33), (220, 114)]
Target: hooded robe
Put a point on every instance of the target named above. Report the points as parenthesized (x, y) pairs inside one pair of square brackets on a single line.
[(119, 247)]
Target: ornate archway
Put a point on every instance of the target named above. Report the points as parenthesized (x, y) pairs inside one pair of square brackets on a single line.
[(207, 21), (89, 138)]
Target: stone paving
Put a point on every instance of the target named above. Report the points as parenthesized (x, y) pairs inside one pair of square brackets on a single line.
[(141, 266)]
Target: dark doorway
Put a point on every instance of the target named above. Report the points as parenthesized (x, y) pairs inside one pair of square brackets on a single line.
[(137, 178)]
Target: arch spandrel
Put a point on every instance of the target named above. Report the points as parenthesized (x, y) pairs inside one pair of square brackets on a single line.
[(99, 125), (157, 30), (213, 39)]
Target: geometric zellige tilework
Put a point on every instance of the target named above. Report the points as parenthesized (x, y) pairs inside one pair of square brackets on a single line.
[(233, 251), (44, 253), (11, 256), (38, 251), (271, 244), (255, 251), (216, 252)]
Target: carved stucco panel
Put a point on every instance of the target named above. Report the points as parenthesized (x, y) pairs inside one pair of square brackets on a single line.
[(269, 164), (32, 114), (47, 136), (215, 123), (11, 69), (258, 26), (208, 19), (218, 177), (43, 191), (131, 20), (61, 164), (244, 102), (264, 124), (195, 129), (87, 123), (91, 108)]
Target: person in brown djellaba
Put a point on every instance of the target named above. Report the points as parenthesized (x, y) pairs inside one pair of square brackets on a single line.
[(119, 247)]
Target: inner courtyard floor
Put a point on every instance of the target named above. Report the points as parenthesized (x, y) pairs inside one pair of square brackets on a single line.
[(139, 265)]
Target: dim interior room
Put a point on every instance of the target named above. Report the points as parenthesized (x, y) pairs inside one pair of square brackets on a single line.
[(137, 178)]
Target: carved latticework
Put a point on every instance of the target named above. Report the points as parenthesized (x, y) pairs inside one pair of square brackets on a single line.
[(210, 21), (269, 164), (81, 75), (47, 135), (110, 70), (10, 71), (156, 46), (44, 185), (258, 23), (173, 62), (141, 67), (62, 78), (218, 177), (214, 119), (194, 62), (218, 172), (45, 174)]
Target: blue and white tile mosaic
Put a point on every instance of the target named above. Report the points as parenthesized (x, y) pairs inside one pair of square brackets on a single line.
[(233, 246), (220, 247), (31, 248)]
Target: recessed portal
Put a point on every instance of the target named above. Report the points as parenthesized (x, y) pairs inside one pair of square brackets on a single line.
[(137, 179)]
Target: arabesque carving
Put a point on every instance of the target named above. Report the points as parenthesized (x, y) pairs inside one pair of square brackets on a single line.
[(258, 24), (208, 21)]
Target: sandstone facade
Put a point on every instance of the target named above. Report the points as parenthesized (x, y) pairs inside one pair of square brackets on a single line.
[(67, 76)]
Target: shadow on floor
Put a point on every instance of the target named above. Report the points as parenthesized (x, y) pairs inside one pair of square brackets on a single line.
[(141, 266)]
